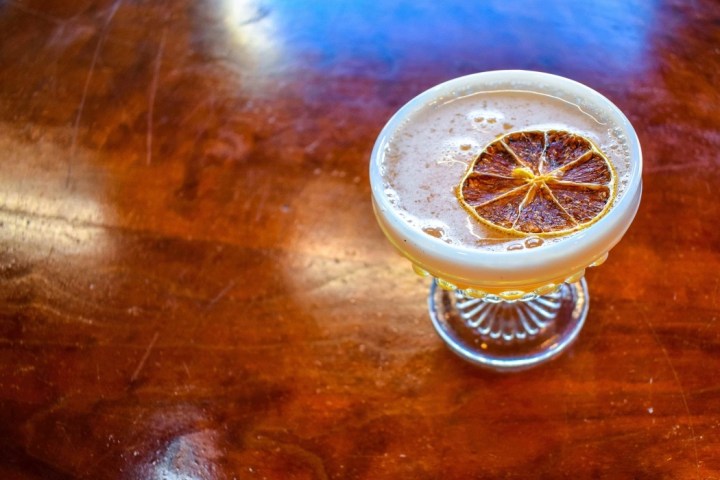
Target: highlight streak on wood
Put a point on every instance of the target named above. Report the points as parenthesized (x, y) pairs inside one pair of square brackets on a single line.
[(151, 97)]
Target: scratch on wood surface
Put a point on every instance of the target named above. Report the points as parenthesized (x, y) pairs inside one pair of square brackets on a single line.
[(83, 97), (220, 295), (31, 11), (144, 357), (679, 384), (263, 196), (152, 95)]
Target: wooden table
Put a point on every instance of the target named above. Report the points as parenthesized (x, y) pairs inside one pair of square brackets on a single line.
[(194, 286)]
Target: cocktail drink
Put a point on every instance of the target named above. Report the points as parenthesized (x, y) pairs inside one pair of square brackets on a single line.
[(504, 187)]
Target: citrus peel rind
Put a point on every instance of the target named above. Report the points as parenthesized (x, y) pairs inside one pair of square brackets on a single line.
[(544, 183)]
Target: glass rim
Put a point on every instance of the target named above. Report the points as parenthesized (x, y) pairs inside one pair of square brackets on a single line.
[(611, 222)]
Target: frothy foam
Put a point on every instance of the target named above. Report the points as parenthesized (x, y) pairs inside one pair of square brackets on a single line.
[(428, 155)]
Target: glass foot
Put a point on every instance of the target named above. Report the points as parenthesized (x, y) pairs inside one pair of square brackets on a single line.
[(513, 335)]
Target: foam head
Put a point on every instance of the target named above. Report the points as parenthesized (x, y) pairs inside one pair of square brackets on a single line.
[(424, 152)]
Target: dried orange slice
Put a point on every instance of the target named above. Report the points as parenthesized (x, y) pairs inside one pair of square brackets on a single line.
[(543, 183)]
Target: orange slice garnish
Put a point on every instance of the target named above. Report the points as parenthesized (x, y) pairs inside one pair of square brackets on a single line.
[(543, 183)]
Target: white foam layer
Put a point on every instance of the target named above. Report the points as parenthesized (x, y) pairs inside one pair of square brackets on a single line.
[(425, 149), (426, 158)]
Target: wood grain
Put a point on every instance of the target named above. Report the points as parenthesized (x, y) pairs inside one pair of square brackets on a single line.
[(193, 286)]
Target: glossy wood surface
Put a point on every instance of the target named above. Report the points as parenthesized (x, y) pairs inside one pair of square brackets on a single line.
[(193, 285)]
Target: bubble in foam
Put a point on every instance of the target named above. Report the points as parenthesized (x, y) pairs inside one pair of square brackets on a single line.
[(436, 232), (392, 195), (460, 149), (534, 242), (485, 120)]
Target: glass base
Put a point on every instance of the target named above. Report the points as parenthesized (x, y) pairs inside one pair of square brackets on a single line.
[(509, 335)]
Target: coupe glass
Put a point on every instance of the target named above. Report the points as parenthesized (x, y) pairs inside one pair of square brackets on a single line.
[(509, 310)]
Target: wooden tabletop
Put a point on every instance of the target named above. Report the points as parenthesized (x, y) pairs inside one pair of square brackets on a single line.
[(193, 285)]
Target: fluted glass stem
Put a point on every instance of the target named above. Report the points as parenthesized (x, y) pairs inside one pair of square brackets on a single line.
[(509, 335)]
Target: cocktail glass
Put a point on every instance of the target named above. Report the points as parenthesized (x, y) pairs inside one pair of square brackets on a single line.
[(509, 310)]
